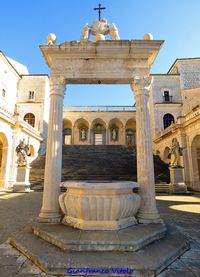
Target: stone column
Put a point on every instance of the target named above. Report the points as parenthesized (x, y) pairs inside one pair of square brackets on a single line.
[(50, 206), (145, 169)]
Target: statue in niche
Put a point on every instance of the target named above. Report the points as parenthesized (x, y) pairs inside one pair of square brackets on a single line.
[(114, 34), (22, 151), (85, 33), (175, 153), (83, 134), (114, 134)]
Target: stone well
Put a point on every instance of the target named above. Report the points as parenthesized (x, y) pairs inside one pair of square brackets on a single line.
[(100, 206)]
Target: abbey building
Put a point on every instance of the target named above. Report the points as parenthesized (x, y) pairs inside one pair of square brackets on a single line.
[(174, 108)]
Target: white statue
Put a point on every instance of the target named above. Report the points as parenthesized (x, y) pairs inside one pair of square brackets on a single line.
[(99, 29), (114, 34), (51, 39), (22, 151), (175, 153), (85, 33), (114, 134), (83, 134)]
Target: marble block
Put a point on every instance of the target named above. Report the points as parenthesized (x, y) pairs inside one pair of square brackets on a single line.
[(177, 184), (22, 179), (100, 206)]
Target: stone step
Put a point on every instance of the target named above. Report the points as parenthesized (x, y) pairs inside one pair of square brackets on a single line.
[(103, 162), (148, 261)]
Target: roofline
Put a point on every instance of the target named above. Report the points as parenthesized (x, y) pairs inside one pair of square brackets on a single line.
[(182, 59), (1, 52), (32, 75), (166, 74)]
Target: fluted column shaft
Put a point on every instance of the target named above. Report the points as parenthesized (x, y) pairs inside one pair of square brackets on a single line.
[(53, 167), (145, 169)]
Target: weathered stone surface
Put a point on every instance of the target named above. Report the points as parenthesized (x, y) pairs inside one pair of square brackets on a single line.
[(90, 205), (145, 262), (129, 239)]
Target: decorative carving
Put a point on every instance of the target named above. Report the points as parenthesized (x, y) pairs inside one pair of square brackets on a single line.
[(141, 83), (22, 151), (51, 39), (99, 206), (114, 134), (175, 153), (83, 134), (99, 29), (114, 34), (85, 33)]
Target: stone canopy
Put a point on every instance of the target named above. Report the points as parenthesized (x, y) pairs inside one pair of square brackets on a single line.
[(104, 62)]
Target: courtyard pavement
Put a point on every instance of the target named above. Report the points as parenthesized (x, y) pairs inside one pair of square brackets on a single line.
[(18, 209)]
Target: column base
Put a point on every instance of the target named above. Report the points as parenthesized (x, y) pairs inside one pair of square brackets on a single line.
[(49, 217), (147, 218)]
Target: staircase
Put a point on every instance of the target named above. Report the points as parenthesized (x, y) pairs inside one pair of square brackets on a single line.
[(97, 162)]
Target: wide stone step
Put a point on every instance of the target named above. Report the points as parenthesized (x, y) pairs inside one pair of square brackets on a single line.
[(148, 261)]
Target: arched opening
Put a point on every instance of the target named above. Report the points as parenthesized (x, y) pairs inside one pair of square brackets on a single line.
[(30, 119), (131, 133), (168, 119), (3, 158), (115, 131), (67, 132), (98, 132), (81, 131), (166, 155), (31, 151), (195, 155)]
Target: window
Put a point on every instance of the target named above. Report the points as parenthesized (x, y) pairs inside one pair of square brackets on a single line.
[(3, 92), (168, 119), (31, 95), (166, 95), (30, 119)]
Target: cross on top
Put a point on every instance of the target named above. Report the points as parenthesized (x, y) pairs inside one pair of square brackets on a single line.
[(99, 10)]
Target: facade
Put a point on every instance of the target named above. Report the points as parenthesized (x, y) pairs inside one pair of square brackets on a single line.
[(174, 107), (23, 104)]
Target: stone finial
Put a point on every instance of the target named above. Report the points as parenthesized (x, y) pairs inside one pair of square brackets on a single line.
[(114, 34), (148, 36), (85, 33), (51, 39)]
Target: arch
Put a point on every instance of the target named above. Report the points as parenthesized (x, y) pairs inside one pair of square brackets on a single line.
[(3, 157), (98, 132), (30, 119), (195, 159), (67, 131), (166, 158), (116, 131), (67, 123), (98, 121), (81, 129), (130, 128), (168, 119), (130, 124)]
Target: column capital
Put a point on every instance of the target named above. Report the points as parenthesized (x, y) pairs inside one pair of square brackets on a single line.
[(141, 84), (57, 85)]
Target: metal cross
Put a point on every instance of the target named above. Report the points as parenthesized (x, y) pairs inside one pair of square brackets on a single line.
[(99, 10)]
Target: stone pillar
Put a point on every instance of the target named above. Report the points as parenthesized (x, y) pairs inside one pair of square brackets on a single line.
[(50, 206), (145, 169)]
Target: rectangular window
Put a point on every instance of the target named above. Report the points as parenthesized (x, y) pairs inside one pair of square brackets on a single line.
[(31, 95)]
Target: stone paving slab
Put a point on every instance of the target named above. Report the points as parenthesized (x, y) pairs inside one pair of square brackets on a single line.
[(128, 239)]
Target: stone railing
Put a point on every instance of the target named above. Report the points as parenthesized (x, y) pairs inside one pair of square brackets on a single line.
[(5, 111), (99, 108)]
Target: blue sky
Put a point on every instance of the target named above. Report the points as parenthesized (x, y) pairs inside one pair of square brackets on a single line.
[(26, 23)]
